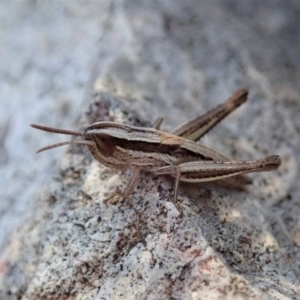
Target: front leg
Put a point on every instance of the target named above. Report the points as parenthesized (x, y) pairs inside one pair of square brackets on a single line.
[(118, 195)]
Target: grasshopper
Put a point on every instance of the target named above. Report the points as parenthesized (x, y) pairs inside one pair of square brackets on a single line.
[(123, 147)]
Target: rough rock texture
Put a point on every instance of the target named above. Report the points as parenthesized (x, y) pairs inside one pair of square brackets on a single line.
[(145, 59)]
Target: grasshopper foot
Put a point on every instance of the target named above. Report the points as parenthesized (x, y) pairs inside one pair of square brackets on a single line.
[(116, 197)]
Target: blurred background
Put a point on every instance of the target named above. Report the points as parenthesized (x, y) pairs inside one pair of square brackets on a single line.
[(171, 58)]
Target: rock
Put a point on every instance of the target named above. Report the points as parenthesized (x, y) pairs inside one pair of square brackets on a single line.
[(144, 59)]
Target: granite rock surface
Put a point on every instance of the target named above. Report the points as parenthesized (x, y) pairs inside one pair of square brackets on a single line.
[(68, 65)]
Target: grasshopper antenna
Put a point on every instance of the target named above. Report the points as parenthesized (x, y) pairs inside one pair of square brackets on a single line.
[(60, 131), (57, 130)]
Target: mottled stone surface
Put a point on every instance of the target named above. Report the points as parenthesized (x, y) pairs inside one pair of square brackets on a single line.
[(144, 59)]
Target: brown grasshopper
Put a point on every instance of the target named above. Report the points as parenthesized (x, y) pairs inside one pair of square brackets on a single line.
[(123, 147)]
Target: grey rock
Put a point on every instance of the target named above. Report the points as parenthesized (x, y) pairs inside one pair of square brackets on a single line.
[(67, 65)]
